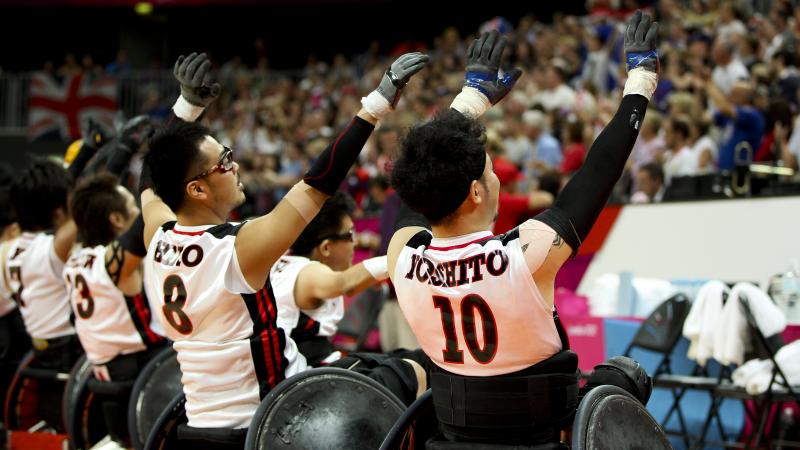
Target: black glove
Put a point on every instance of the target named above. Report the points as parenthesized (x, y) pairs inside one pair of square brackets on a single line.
[(136, 131), (193, 72), (640, 43), (483, 63), (95, 135), (395, 79)]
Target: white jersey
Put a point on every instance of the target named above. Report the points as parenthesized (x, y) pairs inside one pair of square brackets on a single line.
[(472, 303), (322, 321), (108, 322), (229, 346), (33, 271)]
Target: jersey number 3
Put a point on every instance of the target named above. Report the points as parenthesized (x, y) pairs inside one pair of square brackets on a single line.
[(472, 307), (174, 300)]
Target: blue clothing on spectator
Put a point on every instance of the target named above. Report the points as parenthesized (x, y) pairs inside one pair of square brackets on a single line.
[(548, 150), (748, 126)]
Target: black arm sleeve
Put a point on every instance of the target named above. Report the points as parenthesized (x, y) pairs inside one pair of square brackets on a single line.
[(586, 194), (133, 239), (332, 166), (83, 157), (120, 157)]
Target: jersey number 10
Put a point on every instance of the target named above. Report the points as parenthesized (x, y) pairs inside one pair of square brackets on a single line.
[(472, 308)]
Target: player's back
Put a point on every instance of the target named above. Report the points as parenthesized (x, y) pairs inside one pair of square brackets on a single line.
[(473, 304), (108, 322), (33, 271), (230, 349)]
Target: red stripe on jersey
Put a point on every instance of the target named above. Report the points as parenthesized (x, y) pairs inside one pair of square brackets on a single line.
[(144, 315), (310, 323), (276, 349), (265, 341), (189, 233), (453, 247)]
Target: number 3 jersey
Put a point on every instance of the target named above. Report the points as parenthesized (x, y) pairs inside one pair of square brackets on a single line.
[(33, 271), (230, 348), (473, 304), (108, 322)]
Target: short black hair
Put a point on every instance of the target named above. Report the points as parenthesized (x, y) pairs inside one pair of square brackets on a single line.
[(326, 223), (174, 156), (438, 161), (93, 200), (37, 192), (654, 170)]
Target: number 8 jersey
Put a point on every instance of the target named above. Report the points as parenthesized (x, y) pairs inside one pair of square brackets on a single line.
[(230, 349), (473, 304)]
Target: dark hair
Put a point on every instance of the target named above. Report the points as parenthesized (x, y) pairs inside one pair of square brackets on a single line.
[(655, 170), (174, 156), (379, 181), (93, 200), (438, 161), (326, 223), (37, 192), (550, 181)]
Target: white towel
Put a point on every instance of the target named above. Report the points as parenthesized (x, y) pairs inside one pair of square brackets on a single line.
[(701, 321), (756, 374), (731, 329)]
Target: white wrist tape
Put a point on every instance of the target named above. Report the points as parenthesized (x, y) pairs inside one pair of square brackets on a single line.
[(376, 105), (186, 111), (378, 267), (641, 81), (302, 201), (471, 102)]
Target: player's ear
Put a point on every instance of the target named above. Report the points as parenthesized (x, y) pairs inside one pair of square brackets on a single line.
[(117, 220), (196, 190), (475, 192), (325, 248)]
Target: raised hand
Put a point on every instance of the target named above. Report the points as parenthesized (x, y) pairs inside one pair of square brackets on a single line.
[(95, 135), (640, 43), (136, 131), (483, 64), (395, 79), (193, 72)]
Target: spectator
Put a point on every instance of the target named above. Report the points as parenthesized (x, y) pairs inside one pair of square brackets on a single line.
[(574, 148), (729, 68), (679, 159), (546, 150), (740, 122), (556, 95), (650, 179)]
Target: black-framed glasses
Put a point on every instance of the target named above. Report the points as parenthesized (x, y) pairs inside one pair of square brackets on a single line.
[(348, 235), (223, 165)]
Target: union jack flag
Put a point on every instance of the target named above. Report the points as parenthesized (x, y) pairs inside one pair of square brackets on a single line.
[(63, 106)]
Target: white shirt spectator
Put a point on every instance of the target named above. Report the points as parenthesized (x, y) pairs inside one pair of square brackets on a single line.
[(725, 76), (679, 164), (560, 98)]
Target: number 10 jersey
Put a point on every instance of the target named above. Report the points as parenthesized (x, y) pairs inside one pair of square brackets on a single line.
[(473, 304), (230, 349)]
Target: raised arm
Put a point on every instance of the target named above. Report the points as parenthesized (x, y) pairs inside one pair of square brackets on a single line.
[(262, 241), (193, 72), (318, 282), (584, 197)]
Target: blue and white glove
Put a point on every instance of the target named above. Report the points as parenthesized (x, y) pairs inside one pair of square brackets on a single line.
[(641, 55), (483, 84)]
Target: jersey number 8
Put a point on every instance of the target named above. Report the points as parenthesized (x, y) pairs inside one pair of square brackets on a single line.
[(471, 306), (174, 300)]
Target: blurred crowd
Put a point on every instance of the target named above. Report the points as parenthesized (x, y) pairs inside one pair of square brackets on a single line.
[(728, 93)]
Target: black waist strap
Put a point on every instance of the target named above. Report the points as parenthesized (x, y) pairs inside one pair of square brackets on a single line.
[(537, 400)]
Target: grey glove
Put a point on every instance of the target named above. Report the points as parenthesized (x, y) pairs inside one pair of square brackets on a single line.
[(136, 131), (483, 63), (395, 79), (193, 72), (640, 43)]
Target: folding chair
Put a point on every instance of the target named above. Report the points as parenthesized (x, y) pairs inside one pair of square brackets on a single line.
[(660, 333), (778, 391)]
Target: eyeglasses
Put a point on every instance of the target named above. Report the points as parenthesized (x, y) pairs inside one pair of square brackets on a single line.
[(348, 235), (223, 165)]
